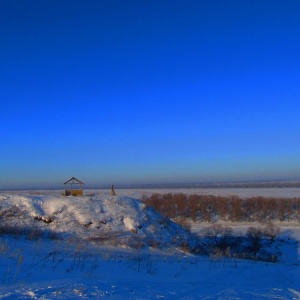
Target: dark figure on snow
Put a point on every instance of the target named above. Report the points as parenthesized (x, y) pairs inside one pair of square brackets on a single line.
[(112, 191)]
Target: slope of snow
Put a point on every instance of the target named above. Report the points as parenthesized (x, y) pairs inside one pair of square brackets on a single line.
[(48, 269), (106, 220)]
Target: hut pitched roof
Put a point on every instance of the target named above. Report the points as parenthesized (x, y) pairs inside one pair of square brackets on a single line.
[(74, 179)]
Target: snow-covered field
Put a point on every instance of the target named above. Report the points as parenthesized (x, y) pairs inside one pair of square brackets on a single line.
[(98, 246)]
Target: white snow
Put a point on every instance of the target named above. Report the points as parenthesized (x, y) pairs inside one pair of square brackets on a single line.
[(117, 248), (129, 223)]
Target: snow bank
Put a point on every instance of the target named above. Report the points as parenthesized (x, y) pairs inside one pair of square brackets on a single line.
[(118, 221)]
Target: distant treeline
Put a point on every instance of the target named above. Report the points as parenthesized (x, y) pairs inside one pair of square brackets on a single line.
[(208, 208), (251, 185), (244, 184)]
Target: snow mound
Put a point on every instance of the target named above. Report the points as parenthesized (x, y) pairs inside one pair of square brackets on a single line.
[(104, 220)]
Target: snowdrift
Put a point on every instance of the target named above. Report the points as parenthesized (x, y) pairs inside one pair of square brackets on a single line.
[(103, 220)]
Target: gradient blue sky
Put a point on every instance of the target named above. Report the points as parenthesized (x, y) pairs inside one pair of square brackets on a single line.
[(131, 92)]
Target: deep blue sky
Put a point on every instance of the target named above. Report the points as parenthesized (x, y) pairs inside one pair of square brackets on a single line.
[(129, 92)]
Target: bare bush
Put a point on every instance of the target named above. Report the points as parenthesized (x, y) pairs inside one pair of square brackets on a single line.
[(219, 239), (255, 236), (214, 232)]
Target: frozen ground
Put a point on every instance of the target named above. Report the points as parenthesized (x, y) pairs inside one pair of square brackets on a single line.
[(86, 254)]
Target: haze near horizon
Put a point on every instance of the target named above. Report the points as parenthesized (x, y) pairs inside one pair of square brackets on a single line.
[(136, 92)]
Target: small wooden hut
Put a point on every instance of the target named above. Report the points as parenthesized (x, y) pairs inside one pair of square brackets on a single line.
[(73, 187)]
